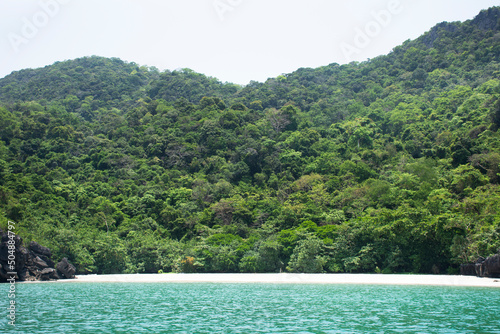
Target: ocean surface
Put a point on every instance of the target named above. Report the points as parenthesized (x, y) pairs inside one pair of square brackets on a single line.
[(249, 308)]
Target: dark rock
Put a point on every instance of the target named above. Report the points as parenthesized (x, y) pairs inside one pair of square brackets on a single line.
[(435, 33), (488, 19), (37, 261), (66, 269), (5, 252), (468, 269), (47, 260), (491, 266), (30, 264), (36, 248), (4, 246), (22, 257), (48, 274), (47, 271), (479, 267), (25, 275)]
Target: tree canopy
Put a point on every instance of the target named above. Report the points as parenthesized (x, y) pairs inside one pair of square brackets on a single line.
[(390, 165)]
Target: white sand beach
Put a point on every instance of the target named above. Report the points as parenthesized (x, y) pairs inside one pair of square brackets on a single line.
[(439, 280)]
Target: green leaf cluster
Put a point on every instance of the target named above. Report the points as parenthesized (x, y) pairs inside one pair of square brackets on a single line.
[(390, 165)]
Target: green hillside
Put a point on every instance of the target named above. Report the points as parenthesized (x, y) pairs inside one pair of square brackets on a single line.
[(390, 165)]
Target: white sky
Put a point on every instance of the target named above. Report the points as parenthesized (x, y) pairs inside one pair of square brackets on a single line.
[(232, 40)]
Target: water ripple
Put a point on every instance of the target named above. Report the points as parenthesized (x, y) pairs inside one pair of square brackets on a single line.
[(251, 308)]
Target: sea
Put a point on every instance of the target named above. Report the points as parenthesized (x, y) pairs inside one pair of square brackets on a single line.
[(247, 308)]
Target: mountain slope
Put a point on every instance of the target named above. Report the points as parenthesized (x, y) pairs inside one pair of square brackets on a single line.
[(447, 46), (104, 79), (389, 165)]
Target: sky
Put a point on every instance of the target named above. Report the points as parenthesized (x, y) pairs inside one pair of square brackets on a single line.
[(235, 41)]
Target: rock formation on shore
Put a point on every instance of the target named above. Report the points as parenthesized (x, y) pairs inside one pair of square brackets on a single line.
[(30, 264), (483, 267)]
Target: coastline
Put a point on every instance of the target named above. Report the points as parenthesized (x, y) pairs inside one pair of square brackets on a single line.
[(287, 278)]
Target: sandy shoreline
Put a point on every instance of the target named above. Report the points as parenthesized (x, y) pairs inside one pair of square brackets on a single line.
[(285, 278)]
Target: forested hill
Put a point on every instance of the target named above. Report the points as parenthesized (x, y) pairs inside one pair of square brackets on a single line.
[(109, 81), (451, 46), (390, 165)]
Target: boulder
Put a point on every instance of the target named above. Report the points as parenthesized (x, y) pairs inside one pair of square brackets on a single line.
[(38, 262), (66, 269), (48, 274), (39, 250), (468, 269), (25, 275), (32, 263), (19, 252), (491, 266), (479, 266), (483, 267), (47, 260)]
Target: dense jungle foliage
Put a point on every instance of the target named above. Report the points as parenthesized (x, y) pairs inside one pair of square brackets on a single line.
[(390, 165)]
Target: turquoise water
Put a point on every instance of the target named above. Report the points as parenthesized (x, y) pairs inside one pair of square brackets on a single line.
[(250, 308)]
